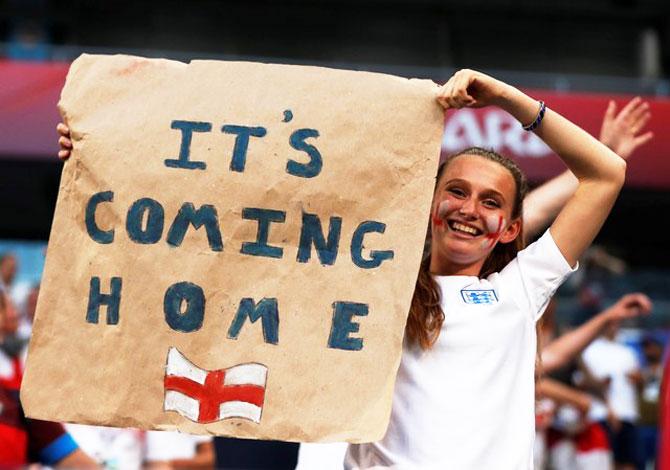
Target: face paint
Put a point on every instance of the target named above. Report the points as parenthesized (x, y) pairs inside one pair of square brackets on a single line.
[(495, 228), (440, 213)]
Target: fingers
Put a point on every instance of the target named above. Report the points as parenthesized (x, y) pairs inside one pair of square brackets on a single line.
[(638, 112), (638, 124), (64, 142), (454, 93), (630, 106), (621, 133), (634, 116), (449, 94), (610, 111), (636, 304), (463, 81), (637, 297), (644, 302), (63, 129), (643, 139), (630, 306), (65, 147), (444, 95)]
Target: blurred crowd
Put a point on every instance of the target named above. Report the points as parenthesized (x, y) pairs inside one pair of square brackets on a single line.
[(599, 386)]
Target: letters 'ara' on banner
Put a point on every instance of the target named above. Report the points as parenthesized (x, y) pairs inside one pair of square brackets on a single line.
[(234, 248)]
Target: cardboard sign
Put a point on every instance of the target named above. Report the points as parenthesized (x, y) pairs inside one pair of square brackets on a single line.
[(234, 248)]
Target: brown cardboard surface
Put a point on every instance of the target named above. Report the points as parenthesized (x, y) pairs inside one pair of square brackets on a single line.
[(379, 143)]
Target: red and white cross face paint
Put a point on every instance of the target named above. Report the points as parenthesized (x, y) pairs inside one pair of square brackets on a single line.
[(495, 226), (440, 214)]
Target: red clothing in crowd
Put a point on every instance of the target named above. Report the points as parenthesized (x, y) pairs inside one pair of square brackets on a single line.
[(24, 440)]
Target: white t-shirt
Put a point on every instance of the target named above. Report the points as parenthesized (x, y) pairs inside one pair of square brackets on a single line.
[(468, 402), (606, 358)]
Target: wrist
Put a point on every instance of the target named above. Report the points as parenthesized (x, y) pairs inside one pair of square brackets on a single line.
[(518, 104), (507, 95), (606, 142)]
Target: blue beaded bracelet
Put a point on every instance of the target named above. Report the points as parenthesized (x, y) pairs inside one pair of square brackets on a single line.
[(540, 115)]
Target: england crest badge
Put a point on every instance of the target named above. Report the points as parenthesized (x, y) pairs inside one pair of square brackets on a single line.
[(479, 296)]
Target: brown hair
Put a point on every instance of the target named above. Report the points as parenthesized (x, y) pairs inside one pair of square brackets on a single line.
[(425, 315)]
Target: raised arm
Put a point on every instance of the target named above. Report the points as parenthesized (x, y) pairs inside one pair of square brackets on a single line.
[(622, 132), (600, 171), (564, 394), (601, 174), (566, 348)]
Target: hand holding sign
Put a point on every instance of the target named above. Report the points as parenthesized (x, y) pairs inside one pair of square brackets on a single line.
[(64, 141), (471, 89)]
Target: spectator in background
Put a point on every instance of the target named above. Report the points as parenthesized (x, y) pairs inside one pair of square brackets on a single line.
[(557, 353), (28, 41), (12, 347), (609, 360), (24, 440), (8, 267), (576, 440), (26, 319), (12, 351), (17, 291)]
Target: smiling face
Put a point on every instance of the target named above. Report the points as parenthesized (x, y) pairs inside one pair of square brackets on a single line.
[(472, 211)]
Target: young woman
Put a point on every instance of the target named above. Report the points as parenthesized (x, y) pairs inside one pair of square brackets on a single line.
[(465, 389)]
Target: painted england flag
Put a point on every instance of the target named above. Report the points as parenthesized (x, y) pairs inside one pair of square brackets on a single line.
[(206, 396)]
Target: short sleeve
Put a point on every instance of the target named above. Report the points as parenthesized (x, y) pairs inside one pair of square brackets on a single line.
[(534, 275)]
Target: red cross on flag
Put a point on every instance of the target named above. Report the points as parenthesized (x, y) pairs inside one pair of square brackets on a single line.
[(206, 396)]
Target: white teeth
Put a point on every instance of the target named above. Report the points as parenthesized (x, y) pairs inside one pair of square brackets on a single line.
[(464, 228)]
